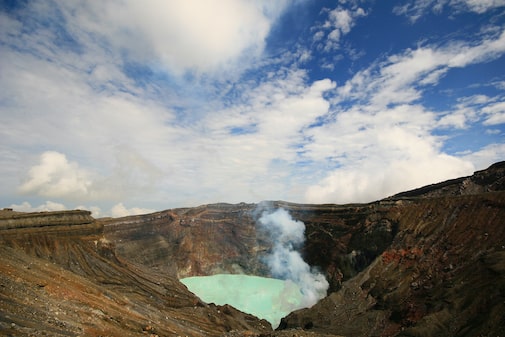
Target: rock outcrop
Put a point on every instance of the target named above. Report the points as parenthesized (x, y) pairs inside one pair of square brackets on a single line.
[(426, 262), (76, 222)]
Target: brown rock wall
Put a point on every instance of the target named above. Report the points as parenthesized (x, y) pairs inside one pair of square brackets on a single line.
[(442, 275)]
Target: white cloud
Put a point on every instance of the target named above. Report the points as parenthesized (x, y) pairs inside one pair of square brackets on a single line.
[(401, 78), (126, 142), (486, 156), (119, 210), (160, 139), (340, 19), (379, 179), (55, 176), (134, 149), (46, 207), (96, 211), (384, 142), (339, 23), (456, 119), (247, 152), (179, 35), (491, 111), (378, 154), (415, 9), (493, 131), (495, 113), (479, 6), (465, 112), (499, 84)]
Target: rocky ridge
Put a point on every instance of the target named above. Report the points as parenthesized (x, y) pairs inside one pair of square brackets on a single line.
[(425, 262)]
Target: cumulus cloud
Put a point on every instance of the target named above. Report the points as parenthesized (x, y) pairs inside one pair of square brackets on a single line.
[(376, 181), (96, 211), (379, 153), (55, 176), (339, 23)]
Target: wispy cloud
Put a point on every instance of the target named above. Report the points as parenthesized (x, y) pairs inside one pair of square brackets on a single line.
[(495, 113), (416, 9), (402, 77)]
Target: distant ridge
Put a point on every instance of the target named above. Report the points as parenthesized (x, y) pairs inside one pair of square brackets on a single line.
[(488, 180)]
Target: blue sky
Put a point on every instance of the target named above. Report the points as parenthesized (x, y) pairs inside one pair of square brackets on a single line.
[(126, 107)]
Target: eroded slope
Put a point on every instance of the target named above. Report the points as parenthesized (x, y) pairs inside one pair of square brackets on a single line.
[(70, 284), (443, 275)]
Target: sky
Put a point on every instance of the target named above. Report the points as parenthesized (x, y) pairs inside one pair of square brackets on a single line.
[(125, 107)]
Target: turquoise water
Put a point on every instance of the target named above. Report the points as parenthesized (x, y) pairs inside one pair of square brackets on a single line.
[(266, 298)]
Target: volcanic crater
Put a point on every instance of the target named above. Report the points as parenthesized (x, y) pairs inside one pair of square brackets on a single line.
[(426, 262)]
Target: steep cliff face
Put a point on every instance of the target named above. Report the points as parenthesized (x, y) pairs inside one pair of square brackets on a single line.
[(205, 240), (426, 262), (443, 275), (341, 239), (66, 281)]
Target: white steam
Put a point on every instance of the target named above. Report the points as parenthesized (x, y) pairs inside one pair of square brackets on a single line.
[(285, 261)]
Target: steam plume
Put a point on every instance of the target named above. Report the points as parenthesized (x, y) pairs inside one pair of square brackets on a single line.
[(285, 261)]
